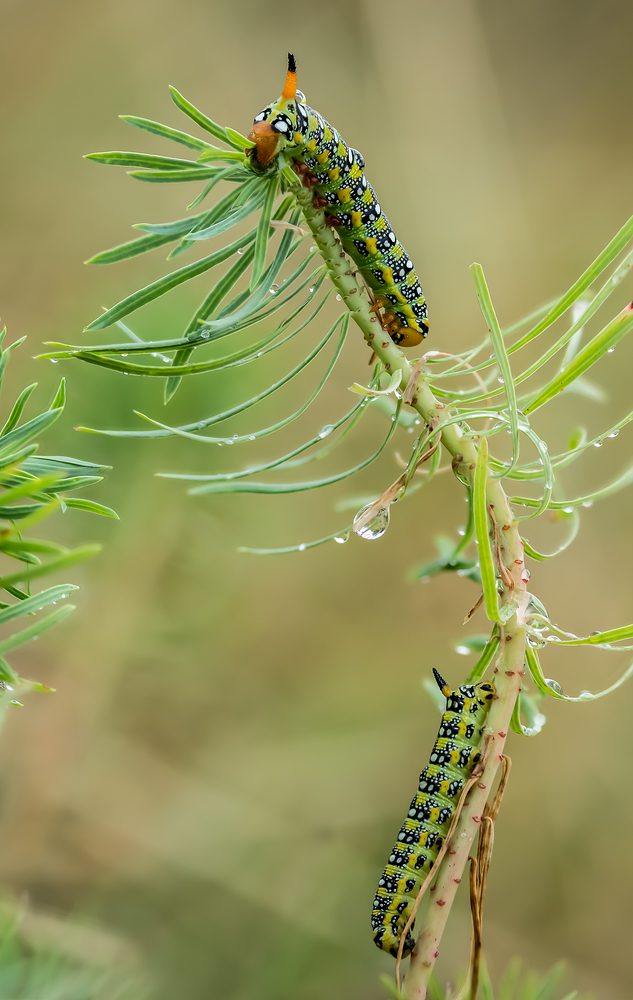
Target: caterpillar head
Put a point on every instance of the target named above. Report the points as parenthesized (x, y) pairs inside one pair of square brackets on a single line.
[(283, 123)]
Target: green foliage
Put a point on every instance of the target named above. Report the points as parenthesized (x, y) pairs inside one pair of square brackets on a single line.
[(495, 409), (515, 984), (41, 485), (31, 969)]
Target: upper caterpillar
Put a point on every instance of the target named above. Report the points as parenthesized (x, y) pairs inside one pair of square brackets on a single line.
[(454, 755), (335, 172)]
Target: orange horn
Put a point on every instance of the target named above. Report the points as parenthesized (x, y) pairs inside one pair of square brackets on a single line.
[(290, 86)]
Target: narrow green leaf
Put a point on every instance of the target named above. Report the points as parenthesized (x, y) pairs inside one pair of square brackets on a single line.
[(164, 130), (625, 479), (91, 506), (76, 555), (197, 116), (602, 343), (17, 409), (266, 467), (238, 140), (37, 602), (36, 629), (602, 261), (177, 176), (337, 536), (487, 656), (130, 249), (599, 638), (122, 158), (263, 234), (499, 348), (552, 688), (536, 720), (226, 414), (240, 487), (21, 435), (59, 400), (166, 283), (486, 564), (540, 556)]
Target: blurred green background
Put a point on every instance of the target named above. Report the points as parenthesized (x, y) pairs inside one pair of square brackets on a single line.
[(234, 739)]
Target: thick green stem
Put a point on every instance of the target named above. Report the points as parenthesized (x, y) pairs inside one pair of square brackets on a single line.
[(510, 664)]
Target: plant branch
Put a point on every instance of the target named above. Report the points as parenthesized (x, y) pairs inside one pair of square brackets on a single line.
[(509, 549)]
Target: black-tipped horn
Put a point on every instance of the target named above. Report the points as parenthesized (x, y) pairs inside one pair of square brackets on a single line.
[(441, 683)]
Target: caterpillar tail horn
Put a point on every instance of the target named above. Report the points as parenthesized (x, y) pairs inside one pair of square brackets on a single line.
[(441, 683), (290, 86)]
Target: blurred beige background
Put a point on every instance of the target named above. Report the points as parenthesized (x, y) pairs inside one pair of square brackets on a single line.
[(234, 739)]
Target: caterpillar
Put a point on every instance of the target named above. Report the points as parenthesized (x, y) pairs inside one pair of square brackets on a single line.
[(422, 834), (335, 172)]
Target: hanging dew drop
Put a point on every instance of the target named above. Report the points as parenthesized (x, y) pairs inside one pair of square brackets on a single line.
[(339, 298), (614, 434), (240, 252), (588, 503), (302, 547), (53, 361), (553, 685), (205, 335), (376, 526), (325, 430), (462, 650), (568, 510), (342, 538), (597, 444), (251, 437)]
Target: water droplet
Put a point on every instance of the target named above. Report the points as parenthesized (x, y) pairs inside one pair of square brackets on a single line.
[(376, 526), (251, 437), (273, 289), (54, 602), (500, 380), (205, 334), (461, 531), (462, 650), (417, 421), (585, 696), (553, 638), (339, 298), (125, 355), (535, 641), (525, 575), (462, 834), (240, 251), (597, 444), (568, 510), (342, 538), (327, 429), (229, 441), (53, 361), (614, 434), (553, 685), (235, 437), (611, 350), (311, 288), (312, 249), (302, 547), (588, 503)]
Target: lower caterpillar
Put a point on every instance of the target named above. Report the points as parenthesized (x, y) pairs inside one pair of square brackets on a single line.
[(422, 834), (335, 173)]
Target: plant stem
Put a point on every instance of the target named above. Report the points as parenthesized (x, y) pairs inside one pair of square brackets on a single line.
[(510, 663)]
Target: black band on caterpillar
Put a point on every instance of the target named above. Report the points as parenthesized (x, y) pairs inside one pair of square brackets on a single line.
[(454, 755), (335, 171)]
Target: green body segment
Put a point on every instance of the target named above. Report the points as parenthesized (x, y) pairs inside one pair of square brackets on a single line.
[(335, 172), (454, 755)]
